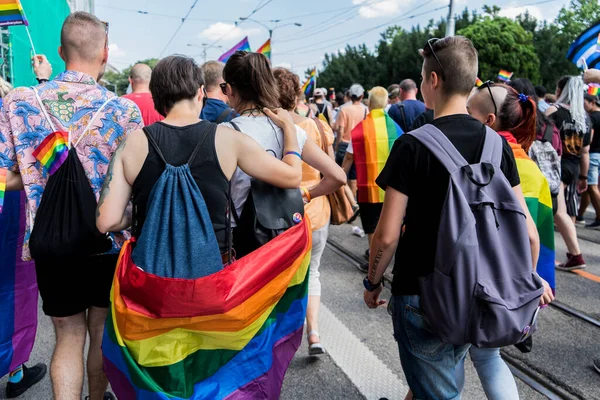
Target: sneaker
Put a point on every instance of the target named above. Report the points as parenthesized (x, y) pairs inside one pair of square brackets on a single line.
[(580, 220), (107, 396), (594, 225), (367, 254), (573, 262), (355, 213), (596, 363), (31, 376), (363, 267)]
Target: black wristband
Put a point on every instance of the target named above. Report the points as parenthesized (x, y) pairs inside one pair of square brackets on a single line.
[(42, 80), (583, 178)]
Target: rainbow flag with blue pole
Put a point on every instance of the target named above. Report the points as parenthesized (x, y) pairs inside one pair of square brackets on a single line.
[(310, 83), (227, 335), (537, 196), (11, 13), (265, 49), (242, 45)]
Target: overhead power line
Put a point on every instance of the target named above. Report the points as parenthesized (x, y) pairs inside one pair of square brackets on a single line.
[(142, 12), (179, 28)]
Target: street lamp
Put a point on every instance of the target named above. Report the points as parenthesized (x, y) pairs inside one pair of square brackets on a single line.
[(204, 47), (271, 28)]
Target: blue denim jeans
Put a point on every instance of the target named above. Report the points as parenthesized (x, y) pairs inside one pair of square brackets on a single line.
[(497, 380), (429, 364)]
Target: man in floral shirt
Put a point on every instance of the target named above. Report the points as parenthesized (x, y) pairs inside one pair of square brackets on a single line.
[(70, 286)]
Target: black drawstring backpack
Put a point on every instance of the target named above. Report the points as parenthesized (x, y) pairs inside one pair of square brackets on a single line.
[(65, 223)]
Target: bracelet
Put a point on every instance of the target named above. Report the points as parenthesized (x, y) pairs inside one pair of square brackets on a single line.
[(293, 153), (583, 178), (42, 80), (306, 193)]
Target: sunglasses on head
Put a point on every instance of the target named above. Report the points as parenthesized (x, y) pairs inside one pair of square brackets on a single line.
[(488, 85), (106, 25), (429, 44)]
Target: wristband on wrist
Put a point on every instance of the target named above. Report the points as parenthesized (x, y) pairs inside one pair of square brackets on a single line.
[(582, 177), (306, 193), (293, 153)]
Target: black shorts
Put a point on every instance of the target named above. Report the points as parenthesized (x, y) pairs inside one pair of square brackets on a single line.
[(70, 285), (569, 175), (339, 159), (369, 215)]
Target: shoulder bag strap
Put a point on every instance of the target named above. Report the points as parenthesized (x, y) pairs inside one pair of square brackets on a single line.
[(548, 133), (224, 114), (401, 107), (322, 133)]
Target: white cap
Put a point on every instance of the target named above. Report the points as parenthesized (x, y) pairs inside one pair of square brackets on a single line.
[(356, 90), (320, 92)]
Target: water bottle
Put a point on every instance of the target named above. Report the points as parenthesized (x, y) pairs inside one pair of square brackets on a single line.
[(356, 230)]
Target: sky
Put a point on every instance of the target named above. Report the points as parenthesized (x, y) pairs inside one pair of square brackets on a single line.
[(141, 29)]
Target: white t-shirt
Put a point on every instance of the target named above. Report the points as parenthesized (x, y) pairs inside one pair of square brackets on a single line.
[(270, 137)]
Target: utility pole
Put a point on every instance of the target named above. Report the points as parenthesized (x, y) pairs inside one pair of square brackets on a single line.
[(451, 20)]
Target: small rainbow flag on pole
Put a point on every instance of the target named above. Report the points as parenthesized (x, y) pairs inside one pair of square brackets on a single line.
[(3, 173), (593, 90), (310, 83), (11, 13), (53, 151), (265, 49), (242, 45), (504, 75), (478, 82)]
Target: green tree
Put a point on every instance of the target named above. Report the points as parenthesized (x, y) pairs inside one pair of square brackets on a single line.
[(576, 18), (503, 44), (121, 79), (354, 65)]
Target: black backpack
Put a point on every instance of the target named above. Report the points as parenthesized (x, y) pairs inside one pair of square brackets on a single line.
[(268, 212), (65, 223)]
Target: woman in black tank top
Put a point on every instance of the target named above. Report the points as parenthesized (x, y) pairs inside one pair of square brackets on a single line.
[(178, 93)]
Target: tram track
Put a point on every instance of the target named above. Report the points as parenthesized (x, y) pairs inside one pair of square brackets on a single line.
[(527, 374)]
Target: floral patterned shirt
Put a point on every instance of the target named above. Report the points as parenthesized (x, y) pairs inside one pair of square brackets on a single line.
[(72, 99)]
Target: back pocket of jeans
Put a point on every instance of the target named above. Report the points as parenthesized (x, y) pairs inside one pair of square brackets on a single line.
[(422, 340)]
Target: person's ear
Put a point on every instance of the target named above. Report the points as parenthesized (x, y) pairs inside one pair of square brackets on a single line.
[(61, 53), (491, 120)]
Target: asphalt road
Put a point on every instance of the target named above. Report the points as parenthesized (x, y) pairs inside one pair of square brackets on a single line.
[(362, 358)]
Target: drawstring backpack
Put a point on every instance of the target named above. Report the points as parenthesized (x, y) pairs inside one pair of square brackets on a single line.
[(65, 223), (181, 325)]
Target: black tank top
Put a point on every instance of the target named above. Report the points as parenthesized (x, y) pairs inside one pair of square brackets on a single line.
[(177, 144)]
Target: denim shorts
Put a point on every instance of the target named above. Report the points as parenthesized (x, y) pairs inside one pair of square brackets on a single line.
[(429, 364), (594, 168)]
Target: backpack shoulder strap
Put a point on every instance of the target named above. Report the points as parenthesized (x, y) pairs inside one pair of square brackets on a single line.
[(441, 147), (89, 125), (203, 136), (403, 113), (37, 96), (322, 134), (235, 126), (492, 148), (548, 132), (153, 144), (224, 114)]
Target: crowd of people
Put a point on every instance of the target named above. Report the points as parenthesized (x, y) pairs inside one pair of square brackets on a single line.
[(195, 162)]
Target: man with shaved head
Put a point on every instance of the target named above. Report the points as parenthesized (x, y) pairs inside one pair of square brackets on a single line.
[(74, 288), (139, 78), (409, 108)]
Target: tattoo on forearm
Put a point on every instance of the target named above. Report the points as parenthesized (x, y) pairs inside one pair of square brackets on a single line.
[(109, 176), (376, 261)]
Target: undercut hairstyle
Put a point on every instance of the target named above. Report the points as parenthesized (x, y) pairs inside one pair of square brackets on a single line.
[(408, 85), (251, 77), (524, 85), (289, 88), (175, 78), (83, 37), (378, 97), (213, 74), (458, 58), (140, 73), (517, 115)]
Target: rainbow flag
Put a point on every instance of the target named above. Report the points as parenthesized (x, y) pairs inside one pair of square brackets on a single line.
[(242, 45), (18, 288), (504, 75), (53, 151), (372, 141), (3, 176), (229, 335), (538, 199), (310, 83), (593, 90), (478, 82), (11, 13), (265, 49)]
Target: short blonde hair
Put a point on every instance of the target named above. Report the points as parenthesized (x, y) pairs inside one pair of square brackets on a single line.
[(378, 98)]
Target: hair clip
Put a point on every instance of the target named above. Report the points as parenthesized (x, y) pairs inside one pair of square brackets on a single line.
[(523, 97)]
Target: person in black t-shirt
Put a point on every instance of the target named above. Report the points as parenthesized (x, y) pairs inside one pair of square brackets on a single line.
[(416, 184), (592, 106)]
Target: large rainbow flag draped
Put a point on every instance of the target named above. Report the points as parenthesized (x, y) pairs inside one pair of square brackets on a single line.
[(242, 45), (229, 335), (372, 141), (537, 195), (310, 83), (18, 288), (11, 13), (265, 49)]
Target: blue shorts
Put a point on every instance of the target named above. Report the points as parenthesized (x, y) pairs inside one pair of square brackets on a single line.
[(594, 169)]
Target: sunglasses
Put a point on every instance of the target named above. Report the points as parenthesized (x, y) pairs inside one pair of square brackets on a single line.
[(488, 85), (223, 87), (429, 42), (106, 25)]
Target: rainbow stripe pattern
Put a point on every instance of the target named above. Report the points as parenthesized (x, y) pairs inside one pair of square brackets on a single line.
[(310, 83), (229, 335), (243, 45), (478, 82), (593, 90), (3, 176), (265, 49), (504, 75), (11, 13), (53, 151), (537, 195), (372, 141), (18, 288)]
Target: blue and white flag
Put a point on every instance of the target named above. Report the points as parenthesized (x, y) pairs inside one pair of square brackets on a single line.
[(585, 48)]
